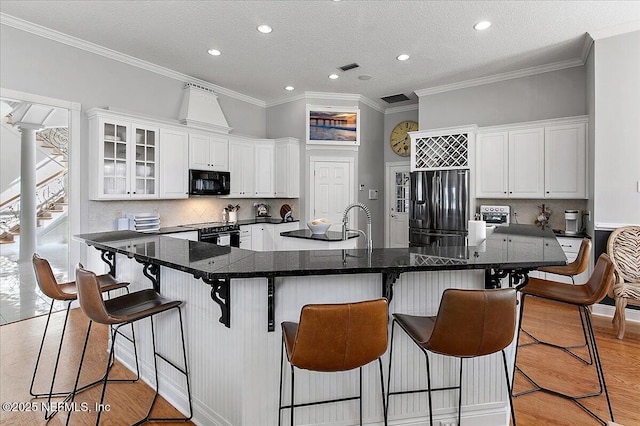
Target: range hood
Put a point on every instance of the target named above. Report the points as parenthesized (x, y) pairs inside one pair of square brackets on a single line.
[(200, 108)]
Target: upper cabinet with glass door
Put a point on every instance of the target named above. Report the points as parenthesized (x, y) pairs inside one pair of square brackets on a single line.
[(127, 159)]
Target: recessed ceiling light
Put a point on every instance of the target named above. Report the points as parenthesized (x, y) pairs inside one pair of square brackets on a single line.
[(364, 77), (482, 25), (214, 52), (289, 88), (402, 57), (333, 76), (264, 29)]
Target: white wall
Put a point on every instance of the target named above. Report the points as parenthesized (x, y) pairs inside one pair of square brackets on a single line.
[(390, 121), (549, 95), (617, 129), (591, 138)]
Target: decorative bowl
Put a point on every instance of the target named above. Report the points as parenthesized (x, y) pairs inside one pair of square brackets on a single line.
[(319, 226)]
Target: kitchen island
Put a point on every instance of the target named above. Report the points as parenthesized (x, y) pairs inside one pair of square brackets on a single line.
[(235, 365)]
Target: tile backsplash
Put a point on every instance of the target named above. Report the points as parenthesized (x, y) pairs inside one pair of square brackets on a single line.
[(104, 214), (527, 210)]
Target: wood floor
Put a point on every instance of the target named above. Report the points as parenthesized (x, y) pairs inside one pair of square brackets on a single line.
[(128, 402)]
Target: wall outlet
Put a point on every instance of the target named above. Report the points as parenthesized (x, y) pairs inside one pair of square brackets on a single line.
[(362, 187), (448, 423), (373, 194)]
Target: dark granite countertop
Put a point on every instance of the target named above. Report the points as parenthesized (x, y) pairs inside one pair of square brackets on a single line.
[(328, 236), (561, 233), (513, 247), (256, 220)]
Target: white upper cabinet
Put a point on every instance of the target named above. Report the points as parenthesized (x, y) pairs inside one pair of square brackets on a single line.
[(526, 163), (264, 163), (492, 179), (287, 168), (264, 168), (533, 160), (242, 168), (126, 154), (174, 164), (208, 152), (565, 161)]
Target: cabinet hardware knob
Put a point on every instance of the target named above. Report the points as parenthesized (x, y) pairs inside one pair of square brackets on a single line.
[(547, 192)]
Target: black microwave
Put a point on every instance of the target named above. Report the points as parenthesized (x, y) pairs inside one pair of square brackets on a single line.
[(205, 182)]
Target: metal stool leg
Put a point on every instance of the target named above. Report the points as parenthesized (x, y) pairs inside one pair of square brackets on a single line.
[(509, 389)]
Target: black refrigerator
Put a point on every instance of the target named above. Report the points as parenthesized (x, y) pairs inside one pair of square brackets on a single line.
[(439, 208)]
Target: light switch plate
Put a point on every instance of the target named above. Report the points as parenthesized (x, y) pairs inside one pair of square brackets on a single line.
[(373, 194), (362, 187)]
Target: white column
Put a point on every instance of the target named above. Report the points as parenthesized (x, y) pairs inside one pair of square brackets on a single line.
[(28, 183)]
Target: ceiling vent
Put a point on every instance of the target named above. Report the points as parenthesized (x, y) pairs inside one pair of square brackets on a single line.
[(392, 99), (349, 67)]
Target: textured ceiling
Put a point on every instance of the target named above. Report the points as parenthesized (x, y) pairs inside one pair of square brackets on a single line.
[(312, 38)]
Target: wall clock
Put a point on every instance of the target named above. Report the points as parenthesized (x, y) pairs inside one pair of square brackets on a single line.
[(399, 140)]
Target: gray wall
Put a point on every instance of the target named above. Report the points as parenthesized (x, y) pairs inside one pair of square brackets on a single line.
[(591, 138), (550, 95), (289, 120), (36, 65), (617, 129), (390, 121)]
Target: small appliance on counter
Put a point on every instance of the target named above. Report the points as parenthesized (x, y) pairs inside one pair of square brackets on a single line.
[(262, 210), (495, 215), (572, 221)]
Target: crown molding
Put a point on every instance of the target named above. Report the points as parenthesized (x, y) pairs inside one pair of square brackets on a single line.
[(404, 108), (586, 48), (570, 63), (59, 37), (616, 30)]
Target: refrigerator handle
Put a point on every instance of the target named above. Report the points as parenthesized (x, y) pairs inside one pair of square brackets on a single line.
[(420, 187)]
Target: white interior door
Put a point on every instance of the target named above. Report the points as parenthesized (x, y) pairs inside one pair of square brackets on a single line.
[(397, 204), (332, 191)]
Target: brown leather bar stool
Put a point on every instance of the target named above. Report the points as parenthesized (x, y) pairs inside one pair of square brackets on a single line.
[(469, 323), (332, 338), (118, 312), (578, 266), (66, 292), (582, 296)]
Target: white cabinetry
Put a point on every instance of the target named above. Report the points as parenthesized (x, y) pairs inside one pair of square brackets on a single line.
[(565, 161), (264, 176), (287, 168), (173, 171), (242, 168), (532, 160), (245, 237), (124, 157), (208, 152), (526, 163)]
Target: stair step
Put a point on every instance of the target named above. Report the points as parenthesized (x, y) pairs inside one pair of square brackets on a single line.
[(44, 218), (54, 210), (46, 145), (7, 241)]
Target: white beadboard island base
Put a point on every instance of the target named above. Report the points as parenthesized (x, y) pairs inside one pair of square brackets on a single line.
[(235, 371)]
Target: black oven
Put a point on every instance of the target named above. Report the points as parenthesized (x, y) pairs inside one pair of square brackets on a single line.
[(204, 182)]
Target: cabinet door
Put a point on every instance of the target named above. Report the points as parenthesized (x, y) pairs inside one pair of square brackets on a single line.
[(526, 163), (114, 169), (264, 164), (174, 164), (257, 237), (492, 165), (219, 148), (565, 161), (144, 162), (286, 180), (236, 169), (199, 152)]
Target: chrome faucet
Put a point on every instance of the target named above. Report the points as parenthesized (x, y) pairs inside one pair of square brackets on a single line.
[(345, 224)]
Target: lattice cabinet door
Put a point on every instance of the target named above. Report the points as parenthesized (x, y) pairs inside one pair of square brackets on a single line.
[(441, 151)]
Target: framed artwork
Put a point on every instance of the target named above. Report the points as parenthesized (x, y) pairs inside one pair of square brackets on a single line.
[(333, 125)]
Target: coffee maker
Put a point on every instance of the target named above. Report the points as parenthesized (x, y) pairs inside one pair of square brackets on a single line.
[(572, 221)]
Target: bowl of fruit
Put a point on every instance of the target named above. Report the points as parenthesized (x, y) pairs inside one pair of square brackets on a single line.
[(319, 226)]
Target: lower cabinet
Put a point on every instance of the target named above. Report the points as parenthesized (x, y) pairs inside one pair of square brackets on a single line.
[(245, 237)]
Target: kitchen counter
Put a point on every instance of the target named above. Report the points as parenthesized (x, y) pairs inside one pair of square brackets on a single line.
[(328, 236), (256, 220), (560, 233), (235, 368)]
